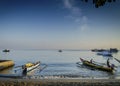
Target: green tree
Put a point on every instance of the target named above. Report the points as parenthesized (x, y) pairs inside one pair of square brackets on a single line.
[(99, 3)]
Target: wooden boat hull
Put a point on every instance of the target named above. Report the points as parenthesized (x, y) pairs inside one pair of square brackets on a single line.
[(96, 66), (6, 64)]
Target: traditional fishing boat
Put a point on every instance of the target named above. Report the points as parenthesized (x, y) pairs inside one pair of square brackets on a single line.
[(6, 50), (96, 66), (30, 66)]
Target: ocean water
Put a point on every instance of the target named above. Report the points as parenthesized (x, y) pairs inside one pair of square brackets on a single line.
[(60, 64)]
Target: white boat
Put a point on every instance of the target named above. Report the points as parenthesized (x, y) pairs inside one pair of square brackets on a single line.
[(30, 66), (33, 66)]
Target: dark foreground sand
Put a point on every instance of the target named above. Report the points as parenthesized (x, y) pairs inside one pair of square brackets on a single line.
[(59, 82)]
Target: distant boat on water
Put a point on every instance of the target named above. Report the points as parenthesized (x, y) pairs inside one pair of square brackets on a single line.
[(59, 50), (98, 50), (6, 50), (105, 53), (111, 50)]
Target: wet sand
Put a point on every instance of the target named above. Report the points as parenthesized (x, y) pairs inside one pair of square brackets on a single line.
[(59, 82)]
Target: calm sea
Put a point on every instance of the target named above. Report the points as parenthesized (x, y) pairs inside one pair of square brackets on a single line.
[(60, 64)]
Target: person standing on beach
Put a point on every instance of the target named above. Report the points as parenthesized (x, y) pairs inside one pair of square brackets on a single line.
[(91, 60), (110, 66), (24, 72), (108, 63)]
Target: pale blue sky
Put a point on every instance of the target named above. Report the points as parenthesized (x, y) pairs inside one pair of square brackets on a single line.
[(58, 24)]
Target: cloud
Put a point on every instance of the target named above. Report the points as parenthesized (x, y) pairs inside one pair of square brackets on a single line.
[(70, 5), (76, 14), (84, 24), (84, 27), (67, 4), (84, 19)]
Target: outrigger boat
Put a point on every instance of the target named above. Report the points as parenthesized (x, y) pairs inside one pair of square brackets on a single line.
[(96, 66), (30, 66)]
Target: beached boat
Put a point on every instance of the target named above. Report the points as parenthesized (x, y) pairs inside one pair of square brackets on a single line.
[(96, 66), (30, 66), (6, 64)]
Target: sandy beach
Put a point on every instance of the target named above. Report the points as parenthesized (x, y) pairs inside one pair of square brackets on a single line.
[(59, 82)]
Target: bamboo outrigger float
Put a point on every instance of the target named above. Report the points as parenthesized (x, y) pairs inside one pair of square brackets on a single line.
[(96, 66)]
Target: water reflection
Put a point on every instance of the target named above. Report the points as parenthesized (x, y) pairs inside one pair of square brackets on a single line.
[(7, 70)]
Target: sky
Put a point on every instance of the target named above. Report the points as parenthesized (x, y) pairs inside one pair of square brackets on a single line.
[(58, 24)]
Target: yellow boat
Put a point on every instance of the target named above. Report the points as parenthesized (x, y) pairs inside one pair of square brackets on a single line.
[(6, 64), (96, 66)]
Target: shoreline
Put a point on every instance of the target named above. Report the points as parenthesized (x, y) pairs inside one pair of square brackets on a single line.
[(59, 82), (19, 76)]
